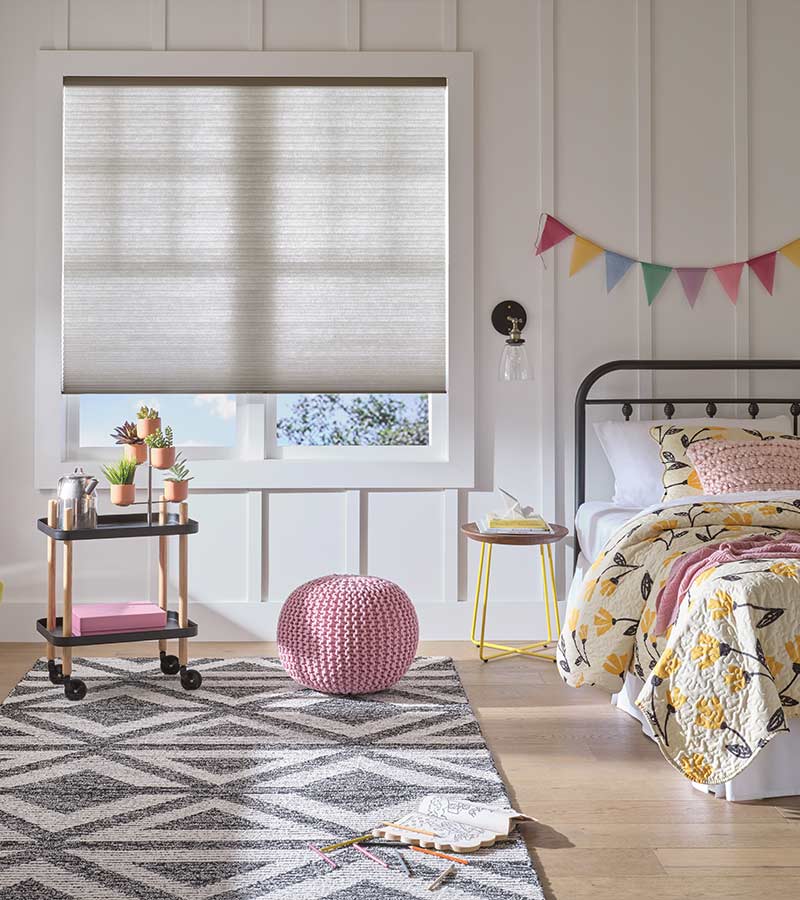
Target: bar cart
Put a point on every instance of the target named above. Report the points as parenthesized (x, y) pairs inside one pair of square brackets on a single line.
[(57, 630)]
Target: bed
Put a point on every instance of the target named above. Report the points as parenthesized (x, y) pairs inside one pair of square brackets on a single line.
[(719, 689)]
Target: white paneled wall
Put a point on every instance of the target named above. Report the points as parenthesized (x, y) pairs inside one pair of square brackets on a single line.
[(662, 128), (406, 541), (306, 538)]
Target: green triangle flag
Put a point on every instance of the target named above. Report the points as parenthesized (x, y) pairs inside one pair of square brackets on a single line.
[(654, 278)]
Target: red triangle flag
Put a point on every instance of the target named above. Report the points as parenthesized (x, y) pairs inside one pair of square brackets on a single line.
[(553, 233), (764, 267), (729, 277)]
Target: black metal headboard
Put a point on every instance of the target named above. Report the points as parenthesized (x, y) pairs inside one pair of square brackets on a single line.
[(651, 365)]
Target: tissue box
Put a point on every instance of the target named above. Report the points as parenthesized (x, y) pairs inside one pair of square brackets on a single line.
[(109, 618)]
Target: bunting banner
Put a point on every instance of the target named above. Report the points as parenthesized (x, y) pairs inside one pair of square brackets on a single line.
[(655, 275)]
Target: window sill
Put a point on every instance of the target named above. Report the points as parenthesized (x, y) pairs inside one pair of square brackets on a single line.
[(294, 474)]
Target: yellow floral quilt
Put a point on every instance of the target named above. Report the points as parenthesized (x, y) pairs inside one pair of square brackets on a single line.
[(720, 683)]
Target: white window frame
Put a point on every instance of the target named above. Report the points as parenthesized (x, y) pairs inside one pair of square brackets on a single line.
[(448, 462)]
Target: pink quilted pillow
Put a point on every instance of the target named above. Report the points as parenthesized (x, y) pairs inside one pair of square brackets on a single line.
[(730, 467)]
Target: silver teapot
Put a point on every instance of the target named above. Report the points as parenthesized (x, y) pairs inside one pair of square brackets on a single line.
[(76, 492)]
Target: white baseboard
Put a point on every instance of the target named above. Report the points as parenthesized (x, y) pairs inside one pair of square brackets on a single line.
[(258, 621)]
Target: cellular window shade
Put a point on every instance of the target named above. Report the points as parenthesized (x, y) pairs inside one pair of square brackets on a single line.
[(254, 237)]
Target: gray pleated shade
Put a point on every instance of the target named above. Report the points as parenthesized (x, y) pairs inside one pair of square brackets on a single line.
[(254, 237)]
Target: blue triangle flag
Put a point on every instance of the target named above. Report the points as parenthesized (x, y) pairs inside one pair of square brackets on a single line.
[(616, 267)]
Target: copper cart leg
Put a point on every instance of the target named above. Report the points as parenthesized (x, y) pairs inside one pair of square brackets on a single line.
[(54, 670), (191, 679), (52, 516), (169, 663), (74, 688)]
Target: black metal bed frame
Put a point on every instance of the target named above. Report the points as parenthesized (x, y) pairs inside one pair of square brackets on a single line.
[(660, 365)]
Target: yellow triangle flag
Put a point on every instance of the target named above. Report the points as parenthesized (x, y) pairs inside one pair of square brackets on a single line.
[(583, 252), (792, 251)]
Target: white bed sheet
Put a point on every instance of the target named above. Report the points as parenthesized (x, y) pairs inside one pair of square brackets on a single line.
[(597, 521)]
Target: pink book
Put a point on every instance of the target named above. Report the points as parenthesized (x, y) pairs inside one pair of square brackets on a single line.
[(108, 618)]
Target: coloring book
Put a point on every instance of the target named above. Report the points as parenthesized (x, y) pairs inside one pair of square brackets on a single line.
[(455, 823)]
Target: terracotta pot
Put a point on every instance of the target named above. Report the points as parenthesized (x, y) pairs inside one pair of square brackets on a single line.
[(136, 452), (176, 490), (123, 494), (162, 457), (146, 427)]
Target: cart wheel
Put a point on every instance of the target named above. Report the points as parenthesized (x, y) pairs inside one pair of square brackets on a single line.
[(191, 679), (55, 672), (170, 665), (74, 689)]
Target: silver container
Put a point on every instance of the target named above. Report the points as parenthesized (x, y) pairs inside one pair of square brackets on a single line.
[(77, 492)]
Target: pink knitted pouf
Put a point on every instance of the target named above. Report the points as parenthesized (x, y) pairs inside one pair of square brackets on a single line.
[(347, 634)]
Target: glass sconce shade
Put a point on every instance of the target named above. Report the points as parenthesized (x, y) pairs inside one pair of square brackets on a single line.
[(514, 365)]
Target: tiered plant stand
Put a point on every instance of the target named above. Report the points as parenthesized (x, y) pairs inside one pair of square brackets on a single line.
[(57, 630)]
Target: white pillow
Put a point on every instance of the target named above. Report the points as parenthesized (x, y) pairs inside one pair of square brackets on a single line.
[(634, 456)]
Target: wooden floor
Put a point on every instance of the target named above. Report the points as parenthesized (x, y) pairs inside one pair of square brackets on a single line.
[(615, 821)]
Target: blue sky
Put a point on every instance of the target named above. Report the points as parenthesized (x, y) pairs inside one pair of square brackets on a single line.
[(207, 420)]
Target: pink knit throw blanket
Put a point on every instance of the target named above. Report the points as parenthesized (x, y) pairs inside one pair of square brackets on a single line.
[(689, 566)]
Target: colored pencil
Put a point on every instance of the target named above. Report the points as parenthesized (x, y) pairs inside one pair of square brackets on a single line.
[(347, 843), (440, 878), (404, 861), (371, 856), (409, 828), (464, 862), (328, 860)]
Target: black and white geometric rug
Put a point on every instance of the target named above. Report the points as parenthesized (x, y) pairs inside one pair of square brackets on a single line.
[(144, 790)]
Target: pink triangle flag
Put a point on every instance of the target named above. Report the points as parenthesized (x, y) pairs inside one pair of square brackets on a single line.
[(692, 280), (764, 267), (553, 233), (729, 277)]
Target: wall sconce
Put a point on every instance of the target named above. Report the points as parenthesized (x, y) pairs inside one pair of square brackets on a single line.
[(509, 318)]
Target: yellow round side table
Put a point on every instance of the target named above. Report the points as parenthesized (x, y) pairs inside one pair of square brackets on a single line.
[(543, 542)]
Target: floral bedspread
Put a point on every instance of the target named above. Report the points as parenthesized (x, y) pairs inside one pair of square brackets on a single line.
[(720, 683)]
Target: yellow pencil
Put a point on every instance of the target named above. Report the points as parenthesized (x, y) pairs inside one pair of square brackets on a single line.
[(364, 837), (409, 828), (464, 862)]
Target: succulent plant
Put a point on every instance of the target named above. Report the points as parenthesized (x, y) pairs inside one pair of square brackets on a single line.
[(126, 434), (147, 412), (179, 471), (122, 472), (159, 439)]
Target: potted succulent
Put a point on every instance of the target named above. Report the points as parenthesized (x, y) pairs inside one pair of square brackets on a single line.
[(162, 452), (120, 476), (134, 447), (147, 421), (176, 484)]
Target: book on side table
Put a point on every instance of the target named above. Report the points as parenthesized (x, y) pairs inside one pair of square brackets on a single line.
[(515, 519)]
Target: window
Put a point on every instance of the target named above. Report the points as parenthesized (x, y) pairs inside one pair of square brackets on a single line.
[(207, 425), (344, 176)]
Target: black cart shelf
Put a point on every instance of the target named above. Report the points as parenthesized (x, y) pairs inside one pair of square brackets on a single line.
[(57, 638), (57, 630), (121, 526)]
